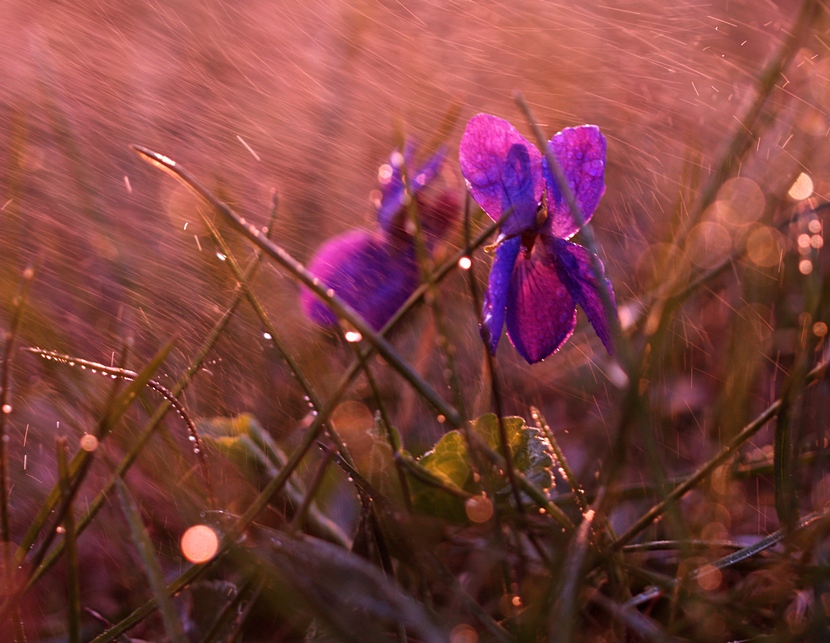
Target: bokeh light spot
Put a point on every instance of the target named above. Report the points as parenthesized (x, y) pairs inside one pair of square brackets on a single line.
[(709, 577), (805, 266), (740, 202), (199, 544), (479, 509), (708, 244), (384, 173), (802, 188), (820, 329), (763, 246), (465, 263), (463, 634), (89, 442)]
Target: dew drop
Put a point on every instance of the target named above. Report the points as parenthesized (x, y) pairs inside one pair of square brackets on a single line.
[(353, 336), (7, 408), (267, 336)]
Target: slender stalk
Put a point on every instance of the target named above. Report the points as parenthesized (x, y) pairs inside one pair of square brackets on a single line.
[(73, 576), (5, 405), (152, 568)]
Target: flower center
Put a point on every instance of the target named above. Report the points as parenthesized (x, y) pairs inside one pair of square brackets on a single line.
[(528, 239)]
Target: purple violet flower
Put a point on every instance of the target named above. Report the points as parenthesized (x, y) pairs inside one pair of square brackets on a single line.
[(538, 276), (376, 272)]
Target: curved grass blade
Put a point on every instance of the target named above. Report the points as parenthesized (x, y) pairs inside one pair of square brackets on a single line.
[(143, 438), (742, 554), (80, 463)]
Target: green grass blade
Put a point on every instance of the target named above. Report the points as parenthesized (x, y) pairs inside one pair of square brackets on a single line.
[(145, 548)]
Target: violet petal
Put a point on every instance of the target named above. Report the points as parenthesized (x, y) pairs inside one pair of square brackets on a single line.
[(372, 275), (576, 269), (581, 153), (498, 175), (392, 191), (495, 299), (541, 313)]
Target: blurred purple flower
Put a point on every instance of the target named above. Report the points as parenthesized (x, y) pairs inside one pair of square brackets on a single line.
[(376, 272), (538, 276)]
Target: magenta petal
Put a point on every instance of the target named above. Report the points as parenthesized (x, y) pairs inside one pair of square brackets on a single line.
[(576, 270), (541, 314), (581, 153), (372, 275), (495, 299), (497, 174)]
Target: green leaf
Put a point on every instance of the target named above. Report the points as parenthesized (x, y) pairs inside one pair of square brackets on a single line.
[(244, 441), (531, 451), (449, 462)]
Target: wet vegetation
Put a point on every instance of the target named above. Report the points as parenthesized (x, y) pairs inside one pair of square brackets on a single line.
[(244, 394)]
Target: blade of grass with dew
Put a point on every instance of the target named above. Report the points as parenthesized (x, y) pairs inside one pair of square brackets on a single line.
[(5, 405), (742, 554), (790, 415), (293, 366), (81, 461), (9, 559), (145, 435), (244, 442), (290, 264), (491, 374), (347, 592), (73, 593), (562, 617), (492, 377), (439, 318), (152, 568)]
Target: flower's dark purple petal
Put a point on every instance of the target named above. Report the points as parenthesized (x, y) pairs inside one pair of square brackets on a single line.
[(581, 153), (371, 274), (392, 189), (502, 170), (541, 314), (576, 269), (495, 299)]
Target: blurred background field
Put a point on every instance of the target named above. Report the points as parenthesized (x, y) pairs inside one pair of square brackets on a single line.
[(309, 99)]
